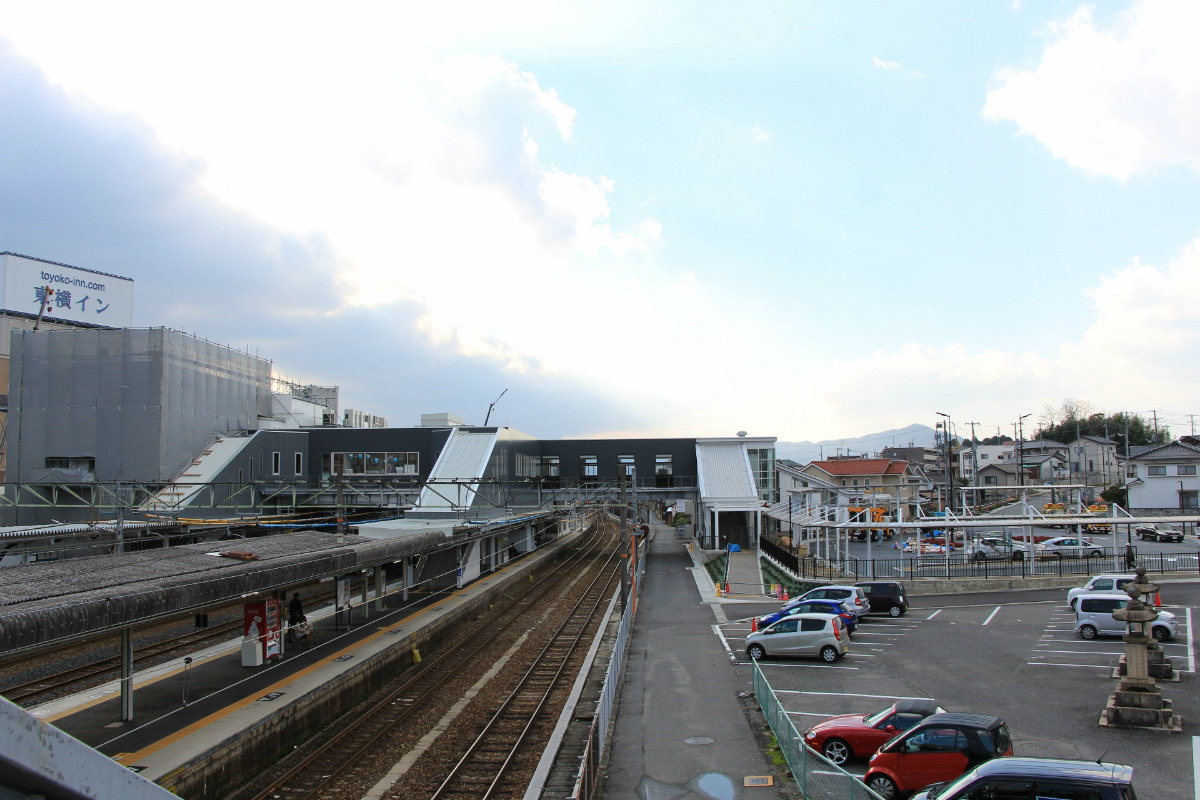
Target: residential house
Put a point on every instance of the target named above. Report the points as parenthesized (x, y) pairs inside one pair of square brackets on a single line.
[(1164, 479), (1093, 460)]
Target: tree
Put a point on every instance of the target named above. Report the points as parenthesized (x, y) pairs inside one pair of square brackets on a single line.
[(1077, 420)]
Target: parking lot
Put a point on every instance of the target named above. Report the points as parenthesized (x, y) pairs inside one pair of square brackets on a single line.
[(1013, 655)]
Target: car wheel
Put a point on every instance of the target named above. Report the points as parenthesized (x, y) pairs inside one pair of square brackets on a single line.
[(1095, 554), (882, 785), (1161, 634), (756, 651), (829, 654), (895, 611), (1088, 632), (1072, 603), (1018, 556), (836, 751), (980, 556)]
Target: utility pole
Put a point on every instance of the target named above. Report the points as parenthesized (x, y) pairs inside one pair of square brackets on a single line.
[(974, 455), (1021, 450), (623, 549), (949, 473)]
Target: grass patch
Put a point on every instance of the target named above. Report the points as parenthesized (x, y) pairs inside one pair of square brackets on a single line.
[(716, 568)]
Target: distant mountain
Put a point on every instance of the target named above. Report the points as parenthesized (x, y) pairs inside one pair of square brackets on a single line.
[(803, 452)]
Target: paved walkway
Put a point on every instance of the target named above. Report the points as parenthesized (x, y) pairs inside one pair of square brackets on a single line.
[(682, 731)]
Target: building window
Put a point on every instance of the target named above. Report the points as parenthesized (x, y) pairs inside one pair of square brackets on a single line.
[(299, 464), (990, 480), (625, 465), (664, 469), (373, 463), (274, 463), (550, 466), (866, 482), (983, 456), (1152, 471), (85, 463), (589, 466), (1188, 500), (855, 482), (1186, 469), (250, 471)]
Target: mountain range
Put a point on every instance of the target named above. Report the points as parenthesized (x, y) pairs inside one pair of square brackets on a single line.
[(803, 452)]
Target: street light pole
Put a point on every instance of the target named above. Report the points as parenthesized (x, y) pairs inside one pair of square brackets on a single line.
[(949, 474)]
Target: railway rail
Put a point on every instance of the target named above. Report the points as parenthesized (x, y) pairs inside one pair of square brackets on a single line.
[(350, 757)]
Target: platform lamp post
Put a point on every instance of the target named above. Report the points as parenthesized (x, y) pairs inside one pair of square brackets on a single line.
[(949, 474)]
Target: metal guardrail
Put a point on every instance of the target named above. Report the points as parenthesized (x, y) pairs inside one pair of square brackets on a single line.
[(818, 777), (961, 565)]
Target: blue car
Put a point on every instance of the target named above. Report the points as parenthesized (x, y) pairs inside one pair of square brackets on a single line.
[(813, 606)]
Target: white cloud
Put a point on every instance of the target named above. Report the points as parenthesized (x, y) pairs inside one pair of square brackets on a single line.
[(1119, 100), (890, 66), (760, 135)]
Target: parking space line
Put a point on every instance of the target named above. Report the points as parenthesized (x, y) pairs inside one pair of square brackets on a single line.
[(852, 694), (1191, 666), (876, 633), (934, 614), (1089, 652), (1196, 765), (791, 666), (1056, 664), (724, 643), (995, 611)]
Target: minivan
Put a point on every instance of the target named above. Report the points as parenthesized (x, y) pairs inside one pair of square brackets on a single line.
[(1032, 778), (1106, 582), (821, 635), (1094, 617)]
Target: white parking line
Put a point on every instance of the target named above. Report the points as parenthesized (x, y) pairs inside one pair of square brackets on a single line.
[(1196, 765), (995, 611), (721, 635), (1089, 652), (934, 614), (851, 694), (876, 633), (794, 666), (1191, 665), (1056, 664)]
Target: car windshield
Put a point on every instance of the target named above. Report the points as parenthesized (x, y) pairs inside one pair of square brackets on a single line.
[(875, 719), (950, 787)]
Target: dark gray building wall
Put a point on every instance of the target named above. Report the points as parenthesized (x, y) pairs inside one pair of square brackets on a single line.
[(140, 402), (682, 452)]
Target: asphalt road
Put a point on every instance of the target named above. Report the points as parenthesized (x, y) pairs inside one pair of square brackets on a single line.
[(1009, 654)]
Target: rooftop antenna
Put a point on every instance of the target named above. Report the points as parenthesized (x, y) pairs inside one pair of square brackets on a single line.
[(491, 406)]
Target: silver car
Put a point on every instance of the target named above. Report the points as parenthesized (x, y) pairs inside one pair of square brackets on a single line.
[(808, 634), (1106, 583), (854, 598), (1069, 547), (1094, 617)]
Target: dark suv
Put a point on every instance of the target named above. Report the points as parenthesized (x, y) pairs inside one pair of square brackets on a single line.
[(885, 596), (1031, 778)]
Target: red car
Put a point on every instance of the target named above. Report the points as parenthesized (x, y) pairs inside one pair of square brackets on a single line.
[(938, 748), (854, 736)]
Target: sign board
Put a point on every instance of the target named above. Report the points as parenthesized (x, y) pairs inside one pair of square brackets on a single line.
[(79, 295), (343, 592)]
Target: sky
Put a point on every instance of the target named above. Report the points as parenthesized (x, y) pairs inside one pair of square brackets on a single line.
[(807, 220)]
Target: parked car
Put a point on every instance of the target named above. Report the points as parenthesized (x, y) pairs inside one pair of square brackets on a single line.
[(1069, 547), (1105, 582), (820, 635), (856, 736), (1163, 533), (995, 548), (885, 597), (938, 748), (849, 618), (853, 596), (1093, 617), (1037, 777)]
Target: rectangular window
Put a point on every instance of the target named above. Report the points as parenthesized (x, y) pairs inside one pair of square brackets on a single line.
[(625, 465), (983, 456), (401, 463), (866, 482), (1152, 471), (1186, 469), (85, 463), (355, 463), (1189, 500), (589, 466), (664, 469), (251, 470), (550, 467), (299, 464), (274, 463)]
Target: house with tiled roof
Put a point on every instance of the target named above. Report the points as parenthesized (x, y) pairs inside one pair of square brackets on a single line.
[(1093, 460), (861, 479), (1164, 479)]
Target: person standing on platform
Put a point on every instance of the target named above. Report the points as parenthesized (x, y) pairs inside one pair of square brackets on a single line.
[(295, 613)]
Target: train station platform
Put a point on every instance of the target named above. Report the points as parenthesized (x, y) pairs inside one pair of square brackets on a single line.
[(685, 726), (201, 721)]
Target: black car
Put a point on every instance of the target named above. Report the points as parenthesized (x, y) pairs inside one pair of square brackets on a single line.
[(1037, 777), (1163, 534), (886, 597)]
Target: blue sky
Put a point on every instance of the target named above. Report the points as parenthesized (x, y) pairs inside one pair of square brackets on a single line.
[(808, 220)]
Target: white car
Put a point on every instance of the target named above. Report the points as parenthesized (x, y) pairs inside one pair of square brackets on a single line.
[(852, 597), (1105, 582), (1069, 547)]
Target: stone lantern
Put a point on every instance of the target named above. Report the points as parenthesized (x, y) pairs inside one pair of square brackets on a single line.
[(1138, 701)]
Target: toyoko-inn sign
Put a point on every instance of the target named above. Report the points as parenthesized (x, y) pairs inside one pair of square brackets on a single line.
[(77, 295)]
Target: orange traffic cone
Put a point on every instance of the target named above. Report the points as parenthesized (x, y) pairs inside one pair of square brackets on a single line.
[(785, 597), (1157, 601), (753, 624), (726, 588)]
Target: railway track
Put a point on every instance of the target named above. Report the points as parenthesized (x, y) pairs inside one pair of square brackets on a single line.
[(350, 757), (29, 692), (486, 769)]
